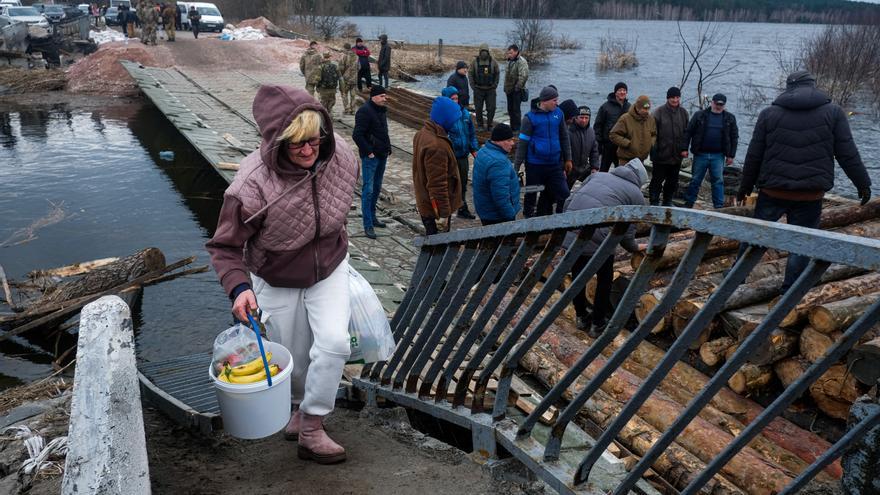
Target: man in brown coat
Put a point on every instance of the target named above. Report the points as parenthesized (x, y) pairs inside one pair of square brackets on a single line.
[(436, 182), (635, 132), (672, 121)]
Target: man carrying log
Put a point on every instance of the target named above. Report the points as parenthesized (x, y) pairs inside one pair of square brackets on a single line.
[(791, 159), (622, 186)]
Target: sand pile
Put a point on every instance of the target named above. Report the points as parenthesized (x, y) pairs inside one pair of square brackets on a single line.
[(260, 23), (102, 73)]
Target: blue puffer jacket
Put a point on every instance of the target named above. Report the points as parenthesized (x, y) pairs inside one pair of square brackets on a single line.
[(463, 135), (495, 185)]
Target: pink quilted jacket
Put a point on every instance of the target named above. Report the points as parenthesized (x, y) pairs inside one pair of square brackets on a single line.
[(279, 221)]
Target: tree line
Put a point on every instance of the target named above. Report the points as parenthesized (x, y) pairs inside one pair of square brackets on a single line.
[(789, 11)]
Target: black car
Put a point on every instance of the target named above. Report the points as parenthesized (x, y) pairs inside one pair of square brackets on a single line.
[(110, 16), (53, 12)]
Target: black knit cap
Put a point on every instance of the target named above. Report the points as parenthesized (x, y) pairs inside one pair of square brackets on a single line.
[(673, 92), (502, 132), (461, 64), (619, 85), (377, 90), (569, 109)]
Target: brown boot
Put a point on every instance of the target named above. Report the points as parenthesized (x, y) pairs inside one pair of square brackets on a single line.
[(291, 431), (314, 444)]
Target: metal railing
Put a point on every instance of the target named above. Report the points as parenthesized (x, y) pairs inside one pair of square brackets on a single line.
[(480, 299)]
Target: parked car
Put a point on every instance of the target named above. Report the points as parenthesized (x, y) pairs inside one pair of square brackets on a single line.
[(84, 8), (54, 12), (110, 16), (16, 3), (28, 15), (120, 3), (212, 19)]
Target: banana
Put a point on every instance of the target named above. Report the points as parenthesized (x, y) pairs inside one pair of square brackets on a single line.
[(251, 367), (223, 375), (256, 377)]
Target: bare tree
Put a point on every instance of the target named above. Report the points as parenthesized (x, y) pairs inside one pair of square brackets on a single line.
[(617, 53), (845, 59), (534, 36), (699, 57)]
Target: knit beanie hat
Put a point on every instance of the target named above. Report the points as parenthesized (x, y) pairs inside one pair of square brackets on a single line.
[(643, 102), (620, 85), (501, 132), (584, 110), (461, 64), (673, 92), (569, 109), (637, 165), (800, 78), (448, 91), (548, 93), (377, 90), (445, 112)]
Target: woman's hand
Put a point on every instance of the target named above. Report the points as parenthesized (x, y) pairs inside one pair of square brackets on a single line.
[(245, 303)]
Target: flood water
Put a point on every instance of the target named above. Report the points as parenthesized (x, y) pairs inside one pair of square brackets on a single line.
[(750, 87), (103, 169)]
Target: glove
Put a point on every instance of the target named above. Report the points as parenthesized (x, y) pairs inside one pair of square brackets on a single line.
[(865, 195)]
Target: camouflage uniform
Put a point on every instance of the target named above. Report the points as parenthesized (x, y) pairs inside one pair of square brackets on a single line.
[(310, 67), (327, 89), (169, 15), (348, 68), (149, 20)]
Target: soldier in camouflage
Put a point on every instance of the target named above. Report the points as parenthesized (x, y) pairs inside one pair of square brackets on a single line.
[(328, 83), (348, 68), (310, 67), (149, 20)]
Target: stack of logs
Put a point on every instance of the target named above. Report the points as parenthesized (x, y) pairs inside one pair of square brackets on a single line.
[(804, 336)]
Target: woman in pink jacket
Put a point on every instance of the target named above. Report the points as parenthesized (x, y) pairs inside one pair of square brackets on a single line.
[(281, 242)]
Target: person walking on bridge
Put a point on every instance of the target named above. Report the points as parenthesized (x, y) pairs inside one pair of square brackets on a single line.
[(281, 245), (435, 169), (149, 21), (169, 14), (348, 78), (195, 19), (328, 83), (383, 65), (515, 85), (791, 159), (310, 67), (484, 76), (371, 136), (606, 117)]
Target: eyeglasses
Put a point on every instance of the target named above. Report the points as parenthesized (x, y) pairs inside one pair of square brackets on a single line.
[(313, 142)]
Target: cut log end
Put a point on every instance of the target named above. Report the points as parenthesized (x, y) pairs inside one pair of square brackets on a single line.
[(750, 378), (714, 352)]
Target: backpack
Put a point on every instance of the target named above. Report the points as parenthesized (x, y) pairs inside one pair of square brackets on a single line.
[(329, 76)]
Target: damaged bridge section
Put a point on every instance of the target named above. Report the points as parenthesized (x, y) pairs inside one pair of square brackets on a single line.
[(481, 300)]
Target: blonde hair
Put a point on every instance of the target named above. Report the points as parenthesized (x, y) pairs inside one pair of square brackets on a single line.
[(304, 126)]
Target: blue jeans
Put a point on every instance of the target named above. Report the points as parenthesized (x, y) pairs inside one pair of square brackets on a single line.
[(373, 170), (714, 164)]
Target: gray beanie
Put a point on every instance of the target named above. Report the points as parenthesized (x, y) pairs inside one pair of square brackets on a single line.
[(637, 165), (800, 78), (548, 93)]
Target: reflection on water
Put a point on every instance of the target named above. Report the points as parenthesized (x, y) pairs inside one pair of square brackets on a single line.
[(749, 87), (103, 168)]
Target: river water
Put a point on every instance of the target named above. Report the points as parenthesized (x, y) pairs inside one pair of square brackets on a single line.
[(749, 87), (102, 168)]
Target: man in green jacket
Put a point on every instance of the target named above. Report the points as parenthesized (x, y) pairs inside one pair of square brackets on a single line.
[(484, 76), (515, 84), (635, 132)]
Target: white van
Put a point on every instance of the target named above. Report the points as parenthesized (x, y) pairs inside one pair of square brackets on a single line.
[(212, 19)]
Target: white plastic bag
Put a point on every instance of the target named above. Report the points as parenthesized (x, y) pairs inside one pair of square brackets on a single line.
[(235, 345), (371, 338)]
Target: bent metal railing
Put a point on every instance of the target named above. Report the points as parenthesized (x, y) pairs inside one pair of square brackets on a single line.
[(457, 325)]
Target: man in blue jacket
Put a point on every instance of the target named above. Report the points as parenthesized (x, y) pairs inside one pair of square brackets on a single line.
[(496, 186), (464, 144), (545, 148)]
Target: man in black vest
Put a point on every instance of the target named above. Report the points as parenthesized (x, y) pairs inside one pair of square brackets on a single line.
[(484, 77)]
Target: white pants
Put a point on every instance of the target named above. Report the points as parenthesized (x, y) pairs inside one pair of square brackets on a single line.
[(312, 324)]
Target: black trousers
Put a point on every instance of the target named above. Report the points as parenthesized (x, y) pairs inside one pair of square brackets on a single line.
[(195, 29), (609, 156), (514, 104), (664, 178), (602, 304), (364, 75), (463, 165), (556, 191)]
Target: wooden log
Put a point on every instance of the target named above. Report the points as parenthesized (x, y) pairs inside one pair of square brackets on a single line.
[(790, 369), (747, 470), (813, 345), (835, 391), (780, 344), (750, 378), (675, 464), (829, 292), (864, 362), (72, 270), (838, 315), (715, 351), (647, 302)]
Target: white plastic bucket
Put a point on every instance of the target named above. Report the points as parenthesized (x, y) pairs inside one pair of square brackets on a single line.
[(253, 410)]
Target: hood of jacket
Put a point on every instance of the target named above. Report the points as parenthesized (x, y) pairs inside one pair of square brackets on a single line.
[(632, 111), (628, 172), (802, 98), (274, 108), (484, 52)]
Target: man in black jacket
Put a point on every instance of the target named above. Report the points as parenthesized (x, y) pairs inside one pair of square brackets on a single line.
[(791, 159), (671, 147), (384, 62), (606, 117), (584, 148), (713, 136), (374, 145), (459, 80)]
